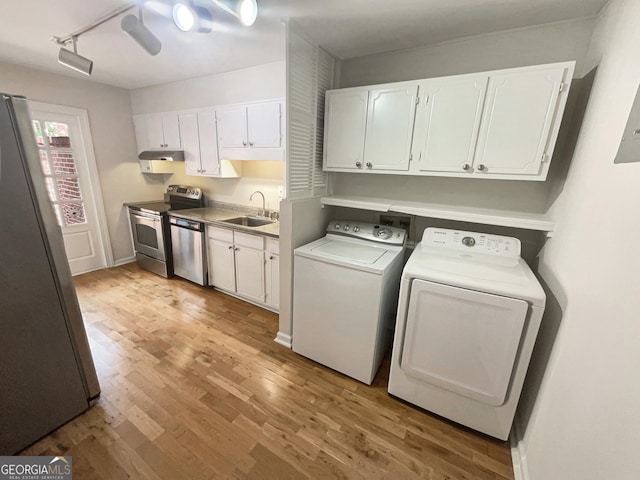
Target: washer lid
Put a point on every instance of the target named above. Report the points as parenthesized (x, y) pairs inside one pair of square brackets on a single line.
[(361, 254), (364, 254)]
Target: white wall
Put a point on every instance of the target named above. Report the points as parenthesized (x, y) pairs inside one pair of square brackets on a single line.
[(264, 82), (585, 423), (110, 117), (556, 42)]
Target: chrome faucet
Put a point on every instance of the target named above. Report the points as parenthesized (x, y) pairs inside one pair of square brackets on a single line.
[(264, 211)]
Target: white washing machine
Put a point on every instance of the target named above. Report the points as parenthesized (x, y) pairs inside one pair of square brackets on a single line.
[(345, 296), (468, 316)]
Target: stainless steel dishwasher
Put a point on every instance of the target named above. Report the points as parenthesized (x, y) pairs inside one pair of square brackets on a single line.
[(188, 245)]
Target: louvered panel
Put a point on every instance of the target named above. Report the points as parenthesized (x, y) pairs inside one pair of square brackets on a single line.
[(301, 136), (325, 73), (302, 74), (310, 73)]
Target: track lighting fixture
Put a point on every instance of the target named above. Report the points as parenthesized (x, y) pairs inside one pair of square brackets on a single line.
[(73, 60), (137, 30), (245, 10), (189, 17)]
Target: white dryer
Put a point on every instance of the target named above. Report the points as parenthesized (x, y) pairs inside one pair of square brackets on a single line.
[(345, 296), (468, 316)]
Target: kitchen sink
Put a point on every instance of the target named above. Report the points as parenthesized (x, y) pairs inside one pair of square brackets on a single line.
[(248, 221)]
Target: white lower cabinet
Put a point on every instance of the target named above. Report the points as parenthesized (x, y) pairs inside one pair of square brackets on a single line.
[(272, 273), (240, 264)]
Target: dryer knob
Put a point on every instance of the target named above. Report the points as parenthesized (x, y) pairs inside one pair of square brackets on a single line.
[(356, 229)]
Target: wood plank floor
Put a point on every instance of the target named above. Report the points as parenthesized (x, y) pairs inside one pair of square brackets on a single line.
[(193, 386)]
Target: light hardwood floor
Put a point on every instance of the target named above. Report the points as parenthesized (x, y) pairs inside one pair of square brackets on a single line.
[(193, 386)]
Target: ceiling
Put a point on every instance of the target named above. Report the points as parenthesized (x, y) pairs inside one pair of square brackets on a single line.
[(345, 28)]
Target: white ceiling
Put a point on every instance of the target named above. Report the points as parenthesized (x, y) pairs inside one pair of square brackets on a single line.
[(346, 28)]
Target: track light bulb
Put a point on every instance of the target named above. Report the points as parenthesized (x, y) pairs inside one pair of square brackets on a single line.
[(140, 33), (248, 12), (74, 61)]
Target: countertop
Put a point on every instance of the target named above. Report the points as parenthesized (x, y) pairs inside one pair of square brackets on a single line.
[(216, 217)]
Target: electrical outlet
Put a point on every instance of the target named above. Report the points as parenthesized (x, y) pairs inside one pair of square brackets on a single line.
[(281, 191)]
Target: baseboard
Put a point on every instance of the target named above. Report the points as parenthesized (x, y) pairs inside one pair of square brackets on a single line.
[(518, 457), (284, 339), (124, 261)]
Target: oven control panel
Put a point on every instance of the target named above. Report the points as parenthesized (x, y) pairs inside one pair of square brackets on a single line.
[(185, 191), (368, 231)]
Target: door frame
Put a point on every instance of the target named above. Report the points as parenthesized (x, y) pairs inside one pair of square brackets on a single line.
[(92, 170)]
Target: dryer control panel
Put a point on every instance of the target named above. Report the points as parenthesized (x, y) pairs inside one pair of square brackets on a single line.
[(475, 242), (368, 231)]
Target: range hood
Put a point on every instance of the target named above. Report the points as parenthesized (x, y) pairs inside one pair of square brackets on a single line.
[(167, 155)]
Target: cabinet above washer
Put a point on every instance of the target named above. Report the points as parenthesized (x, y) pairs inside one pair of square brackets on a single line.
[(494, 125)]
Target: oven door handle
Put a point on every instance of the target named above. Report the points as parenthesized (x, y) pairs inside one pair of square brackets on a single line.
[(153, 218)]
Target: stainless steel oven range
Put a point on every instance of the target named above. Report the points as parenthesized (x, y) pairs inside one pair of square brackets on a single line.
[(151, 230)]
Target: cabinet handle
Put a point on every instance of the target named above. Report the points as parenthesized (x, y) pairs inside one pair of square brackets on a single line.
[(482, 168), (369, 165), (251, 144), (236, 249), (230, 247), (271, 257), (244, 144), (466, 167), (359, 164)]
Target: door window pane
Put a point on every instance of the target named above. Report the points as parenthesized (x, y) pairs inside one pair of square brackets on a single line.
[(58, 134), (37, 129), (68, 188), (63, 163), (44, 161), (73, 213)]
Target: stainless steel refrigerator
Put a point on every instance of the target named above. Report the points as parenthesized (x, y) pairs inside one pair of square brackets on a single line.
[(47, 375)]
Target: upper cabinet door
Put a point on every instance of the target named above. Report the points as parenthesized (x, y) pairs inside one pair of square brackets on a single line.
[(449, 123), (345, 128), (171, 131), (155, 134), (518, 119), (190, 143), (232, 127), (263, 123), (209, 159), (389, 128)]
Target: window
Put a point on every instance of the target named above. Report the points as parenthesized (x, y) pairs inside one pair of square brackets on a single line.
[(59, 169)]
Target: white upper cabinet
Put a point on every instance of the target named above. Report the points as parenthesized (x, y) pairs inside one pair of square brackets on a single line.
[(448, 128), (200, 145), (263, 125), (521, 111), (369, 128), (232, 127), (390, 117), (157, 131), (495, 125), (345, 128), (251, 131)]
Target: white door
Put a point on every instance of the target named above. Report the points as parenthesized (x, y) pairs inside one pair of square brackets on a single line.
[(462, 340), (171, 131), (190, 143), (250, 272), (453, 111), (272, 277), (66, 156), (209, 159), (389, 129), (263, 123), (346, 114), (232, 127), (221, 266), (517, 121)]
